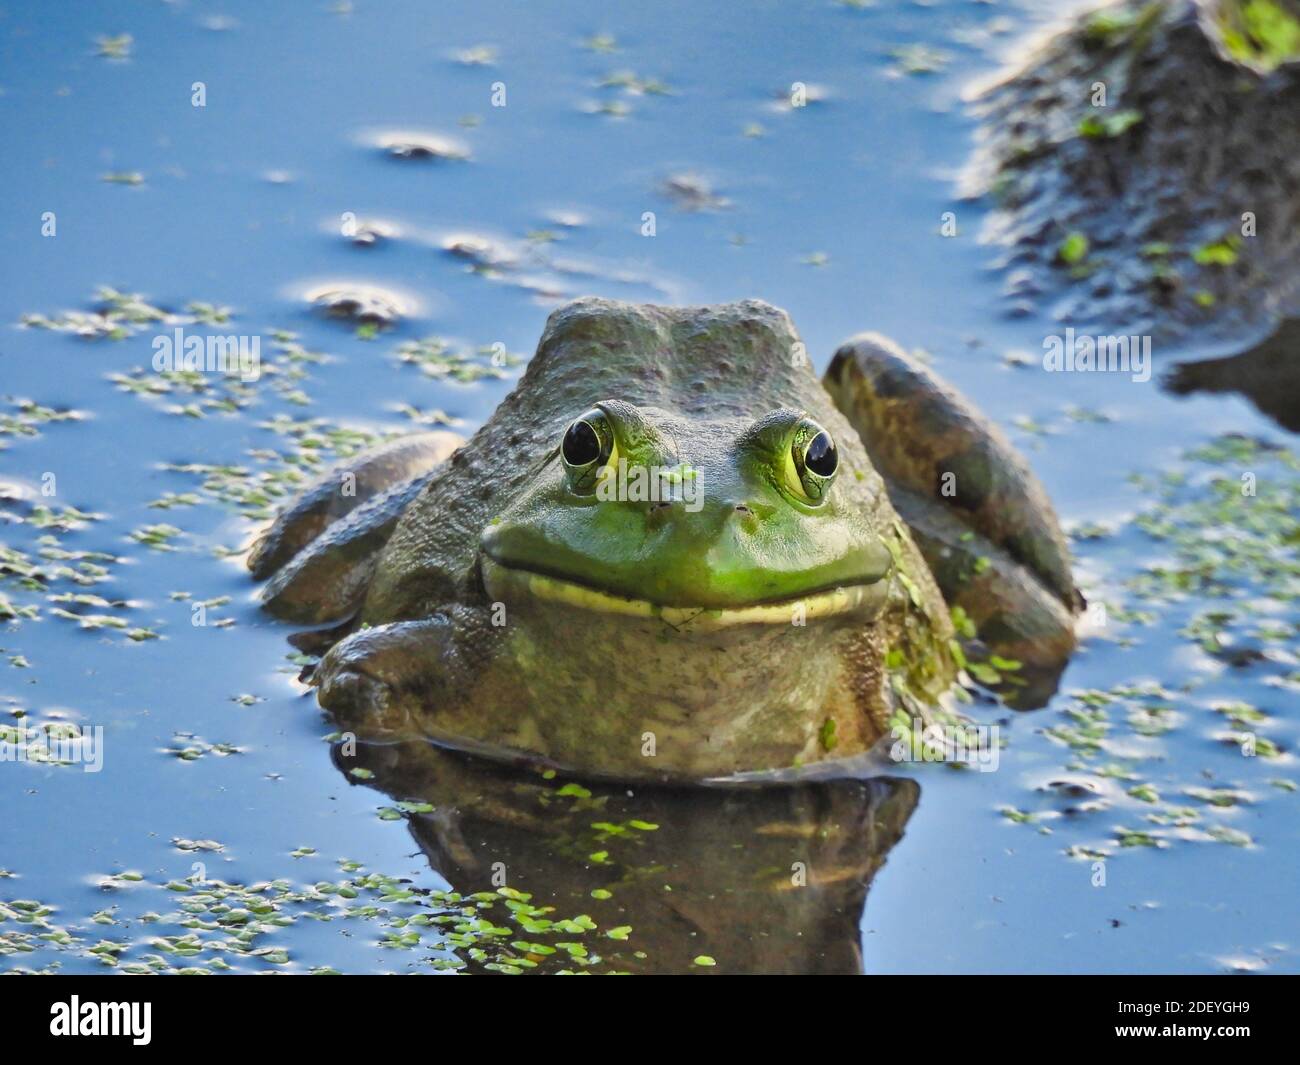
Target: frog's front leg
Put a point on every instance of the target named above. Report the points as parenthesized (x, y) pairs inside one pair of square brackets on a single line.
[(406, 676), (320, 552), (979, 515), (373, 678)]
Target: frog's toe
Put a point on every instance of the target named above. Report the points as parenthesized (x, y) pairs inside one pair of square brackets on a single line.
[(366, 678), (980, 516), (352, 696), (342, 490)]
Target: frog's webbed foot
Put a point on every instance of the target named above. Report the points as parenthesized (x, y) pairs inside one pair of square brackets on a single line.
[(979, 515), (320, 552)]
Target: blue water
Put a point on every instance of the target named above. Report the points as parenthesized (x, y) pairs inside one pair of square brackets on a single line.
[(833, 212)]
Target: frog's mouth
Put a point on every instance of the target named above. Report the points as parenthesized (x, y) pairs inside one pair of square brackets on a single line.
[(510, 582)]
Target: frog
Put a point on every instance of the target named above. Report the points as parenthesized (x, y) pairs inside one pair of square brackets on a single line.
[(674, 553)]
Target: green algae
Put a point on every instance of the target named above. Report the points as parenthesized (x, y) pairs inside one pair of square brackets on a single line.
[(1116, 124), (1222, 523), (916, 59), (213, 925), (39, 577), (116, 316), (187, 747), (116, 46), (438, 358), (26, 419), (1261, 32)]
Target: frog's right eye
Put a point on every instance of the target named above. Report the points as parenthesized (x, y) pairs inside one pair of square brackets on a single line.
[(587, 446)]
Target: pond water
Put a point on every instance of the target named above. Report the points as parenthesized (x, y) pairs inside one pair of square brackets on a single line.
[(1124, 829)]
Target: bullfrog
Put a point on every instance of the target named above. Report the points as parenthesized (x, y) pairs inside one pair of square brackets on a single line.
[(674, 553)]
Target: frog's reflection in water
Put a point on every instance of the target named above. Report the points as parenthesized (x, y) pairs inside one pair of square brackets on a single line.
[(764, 879)]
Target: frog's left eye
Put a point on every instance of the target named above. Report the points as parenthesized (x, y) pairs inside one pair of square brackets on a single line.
[(581, 444), (586, 448), (813, 461)]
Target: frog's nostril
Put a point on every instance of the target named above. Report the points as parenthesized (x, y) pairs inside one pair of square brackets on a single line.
[(660, 505), (743, 510)]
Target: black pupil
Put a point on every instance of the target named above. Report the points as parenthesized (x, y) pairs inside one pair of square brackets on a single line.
[(820, 456), (581, 444)]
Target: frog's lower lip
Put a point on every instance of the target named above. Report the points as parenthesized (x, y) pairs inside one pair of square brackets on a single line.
[(857, 599)]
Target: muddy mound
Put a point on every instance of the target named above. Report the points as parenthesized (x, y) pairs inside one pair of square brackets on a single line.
[(1145, 165)]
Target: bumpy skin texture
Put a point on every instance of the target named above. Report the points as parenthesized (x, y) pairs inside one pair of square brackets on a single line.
[(329, 497), (514, 613), (320, 553), (1210, 135)]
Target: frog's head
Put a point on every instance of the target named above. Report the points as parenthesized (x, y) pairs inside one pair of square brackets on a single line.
[(705, 507)]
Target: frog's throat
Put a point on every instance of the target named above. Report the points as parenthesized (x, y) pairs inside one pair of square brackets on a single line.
[(861, 600)]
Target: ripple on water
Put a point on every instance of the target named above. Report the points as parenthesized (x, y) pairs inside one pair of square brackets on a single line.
[(363, 232), (362, 304), (417, 144)]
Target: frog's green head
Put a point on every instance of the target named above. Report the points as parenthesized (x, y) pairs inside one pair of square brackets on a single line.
[(704, 507)]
